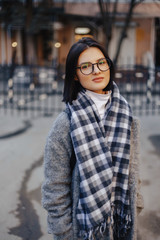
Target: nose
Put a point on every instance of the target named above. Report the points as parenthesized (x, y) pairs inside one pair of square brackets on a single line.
[(95, 68)]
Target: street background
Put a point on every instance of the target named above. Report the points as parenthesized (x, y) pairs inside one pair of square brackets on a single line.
[(22, 141), (35, 37)]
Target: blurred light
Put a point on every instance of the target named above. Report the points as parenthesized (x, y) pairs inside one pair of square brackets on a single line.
[(139, 75), (43, 96), (21, 102), (10, 94), (43, 75), (54, 85), (14, 44), (57, 45), (10, 83), (57, 25), (118, 75), (1, 101), (149, 84), (21, 74), (82, 30), (31, 87), (128, 87)]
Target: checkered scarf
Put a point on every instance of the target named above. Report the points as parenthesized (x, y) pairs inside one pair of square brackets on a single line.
[(102, 149)]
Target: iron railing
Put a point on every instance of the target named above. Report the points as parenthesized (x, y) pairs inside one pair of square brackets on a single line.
[(141, 87), (38, 90)]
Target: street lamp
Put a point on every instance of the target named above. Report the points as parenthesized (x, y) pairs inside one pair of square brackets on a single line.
[(14, 44), (57, 45)]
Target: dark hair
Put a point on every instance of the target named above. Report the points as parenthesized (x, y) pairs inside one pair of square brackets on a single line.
[(72, 87)]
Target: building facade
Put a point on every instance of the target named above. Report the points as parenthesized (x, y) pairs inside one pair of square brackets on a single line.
[(43, 33)]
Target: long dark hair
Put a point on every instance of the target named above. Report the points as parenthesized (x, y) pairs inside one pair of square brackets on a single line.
[(72, 87)]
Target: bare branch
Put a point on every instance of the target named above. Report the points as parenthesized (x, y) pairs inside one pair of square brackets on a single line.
[(123, 33), (114, 11)]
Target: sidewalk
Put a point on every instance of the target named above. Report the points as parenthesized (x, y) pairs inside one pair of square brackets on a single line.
[(149, 219), (12, 125), (21, 174)]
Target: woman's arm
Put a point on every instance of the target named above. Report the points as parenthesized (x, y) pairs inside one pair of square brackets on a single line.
[(136, 203), (135, 152), (56, 189)]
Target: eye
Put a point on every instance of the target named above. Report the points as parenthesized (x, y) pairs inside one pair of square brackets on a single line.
[(102, 61), (86, 65)]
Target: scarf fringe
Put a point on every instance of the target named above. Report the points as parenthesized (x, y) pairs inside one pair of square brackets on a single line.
[(89, 235), (119, 221)]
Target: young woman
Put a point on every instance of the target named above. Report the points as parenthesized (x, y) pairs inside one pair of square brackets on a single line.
[(91, 155)]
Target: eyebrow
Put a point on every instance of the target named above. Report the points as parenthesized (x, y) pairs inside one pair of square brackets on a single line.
[(90, 62)]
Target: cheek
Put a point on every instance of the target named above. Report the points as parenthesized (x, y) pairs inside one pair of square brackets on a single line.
[(82, 78), (83, 81), (107, 76)]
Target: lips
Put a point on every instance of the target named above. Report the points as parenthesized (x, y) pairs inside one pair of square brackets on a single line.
[(98, 79)]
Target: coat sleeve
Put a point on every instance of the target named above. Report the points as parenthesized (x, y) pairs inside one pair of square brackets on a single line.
[(134, 182), (136, 163), (56, 188)]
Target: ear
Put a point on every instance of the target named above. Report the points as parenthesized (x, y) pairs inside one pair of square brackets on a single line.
[(75, 78)]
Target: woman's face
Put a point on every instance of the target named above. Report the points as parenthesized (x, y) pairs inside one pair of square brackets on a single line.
[(97, 80)]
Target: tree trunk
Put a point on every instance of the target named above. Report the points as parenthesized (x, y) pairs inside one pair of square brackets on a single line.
[(29, 13), (124, 30), (107, 20)]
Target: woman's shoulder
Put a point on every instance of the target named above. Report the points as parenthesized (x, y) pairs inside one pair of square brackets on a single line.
[(62, 120), (61, 125), (135, 119), (135, 129)]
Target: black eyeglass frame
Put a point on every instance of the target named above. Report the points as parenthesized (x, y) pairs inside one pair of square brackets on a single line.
[(108, 62)]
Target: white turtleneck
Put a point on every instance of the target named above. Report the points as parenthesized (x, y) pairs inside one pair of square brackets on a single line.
[(100, 101)]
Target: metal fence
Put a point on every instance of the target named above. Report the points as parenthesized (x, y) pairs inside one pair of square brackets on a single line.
[(37, 90), (30, 90), (141, 87)]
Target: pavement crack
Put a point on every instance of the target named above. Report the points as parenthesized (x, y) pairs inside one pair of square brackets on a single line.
[(29, 227)]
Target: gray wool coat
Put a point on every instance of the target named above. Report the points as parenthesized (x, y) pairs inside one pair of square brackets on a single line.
[(60, 189)]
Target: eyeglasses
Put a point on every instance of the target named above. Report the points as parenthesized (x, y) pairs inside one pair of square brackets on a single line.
[(87, 68)]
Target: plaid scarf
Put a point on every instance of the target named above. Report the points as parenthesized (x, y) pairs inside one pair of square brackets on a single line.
[(102, 149)]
